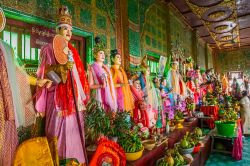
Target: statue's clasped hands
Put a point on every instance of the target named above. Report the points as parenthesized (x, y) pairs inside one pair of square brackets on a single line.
[(44, 82)]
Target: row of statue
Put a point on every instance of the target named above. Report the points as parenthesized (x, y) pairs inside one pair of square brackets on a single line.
[(63, 88)]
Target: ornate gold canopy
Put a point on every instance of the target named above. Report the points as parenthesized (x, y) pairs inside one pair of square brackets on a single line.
[(220, 18)]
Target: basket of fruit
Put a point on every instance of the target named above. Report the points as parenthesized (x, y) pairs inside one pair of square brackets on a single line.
[(173, 157), (186, 145), (199, 134)]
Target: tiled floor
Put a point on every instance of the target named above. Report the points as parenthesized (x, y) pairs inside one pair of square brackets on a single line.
[(218, 159)]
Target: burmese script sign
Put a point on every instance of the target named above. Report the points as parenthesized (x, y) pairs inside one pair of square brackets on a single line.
[(41, 36), (235, 74)]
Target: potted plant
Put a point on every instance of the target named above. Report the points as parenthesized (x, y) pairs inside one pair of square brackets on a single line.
[(97, 123), (119, 125), (132, 145)]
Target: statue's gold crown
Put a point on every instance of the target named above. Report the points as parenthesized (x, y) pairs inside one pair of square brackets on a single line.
[(64, 17)]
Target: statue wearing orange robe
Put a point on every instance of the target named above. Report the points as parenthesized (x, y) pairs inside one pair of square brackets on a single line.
[(124, 95)]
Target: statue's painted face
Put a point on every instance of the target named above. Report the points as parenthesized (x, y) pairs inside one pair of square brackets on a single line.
[(175, 66), (157, 82), (100, 56), (148, 71), (164, 83), (137, 85), (117, 59), (66, 32)]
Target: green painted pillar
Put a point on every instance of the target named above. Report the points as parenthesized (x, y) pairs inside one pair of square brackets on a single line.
[(168, 30), (194, 46), (122, 31)]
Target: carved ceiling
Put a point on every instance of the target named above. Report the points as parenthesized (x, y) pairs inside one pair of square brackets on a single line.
[(222, 24)]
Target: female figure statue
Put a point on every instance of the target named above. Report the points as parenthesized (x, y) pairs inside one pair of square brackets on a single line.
[(123, 93), (100, 79)]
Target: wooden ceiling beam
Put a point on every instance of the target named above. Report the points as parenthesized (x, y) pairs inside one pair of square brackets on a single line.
[(244, 28), (205, 36), (243, 15), (245, 38), (186, 12), (197, 26)]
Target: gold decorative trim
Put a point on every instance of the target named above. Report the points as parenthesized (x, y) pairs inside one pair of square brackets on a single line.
[(2, 20), (155, 51), (135, 27), (152, 12), (34, 9), (135, 60), (199, 11)]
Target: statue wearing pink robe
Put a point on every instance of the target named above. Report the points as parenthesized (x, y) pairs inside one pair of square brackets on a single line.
[(63, 127)]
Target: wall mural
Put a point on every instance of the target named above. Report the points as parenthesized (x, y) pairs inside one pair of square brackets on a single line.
[(147, 30), (144, 6), (134, 32), (180, 33), (96, 16), (240, 62), (153, 36), (137, 10)]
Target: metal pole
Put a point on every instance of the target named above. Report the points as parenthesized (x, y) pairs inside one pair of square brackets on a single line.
[(78, 118)]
